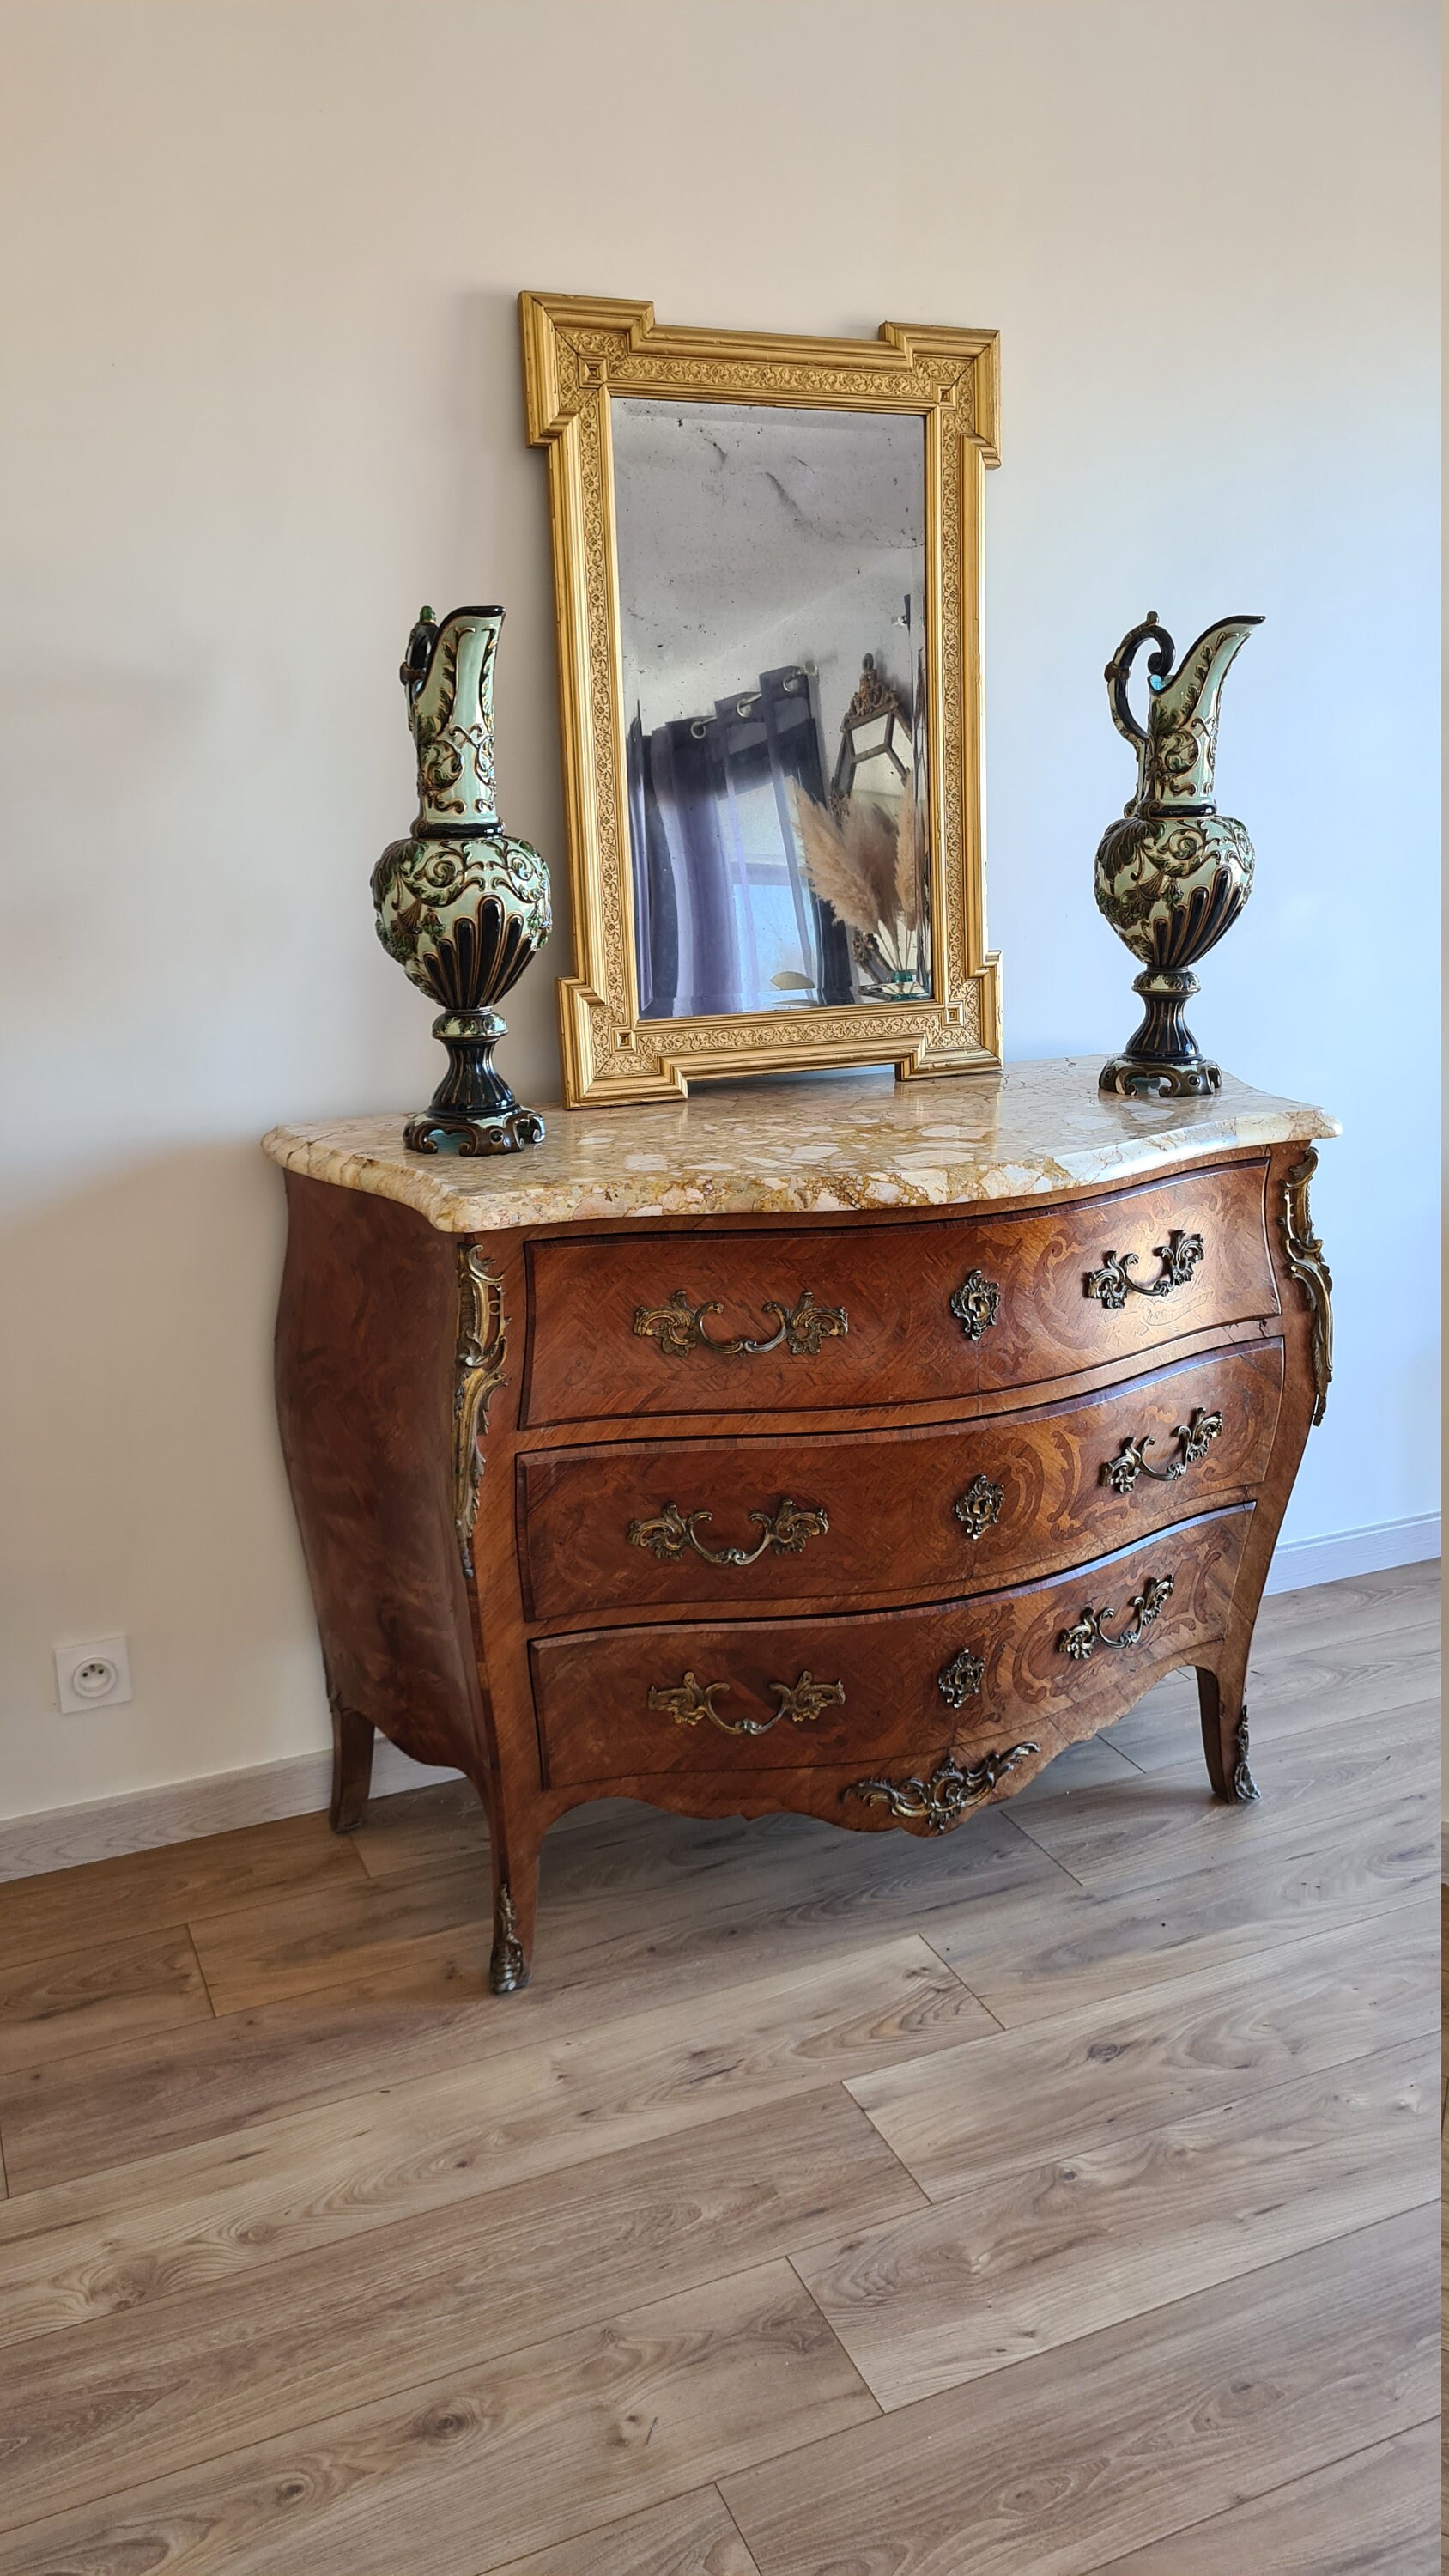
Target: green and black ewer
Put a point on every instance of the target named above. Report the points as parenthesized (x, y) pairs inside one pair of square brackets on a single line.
[(460, 904), (1174, 873)]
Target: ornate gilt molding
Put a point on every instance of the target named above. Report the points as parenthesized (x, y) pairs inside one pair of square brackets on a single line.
[(1305, 1259), (580, 353), (950, 1793), (477, 1371)]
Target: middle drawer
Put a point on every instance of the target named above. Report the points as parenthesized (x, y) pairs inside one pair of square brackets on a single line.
[(949, 1508)]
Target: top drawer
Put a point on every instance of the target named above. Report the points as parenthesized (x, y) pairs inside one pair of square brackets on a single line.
[(816, 1315)]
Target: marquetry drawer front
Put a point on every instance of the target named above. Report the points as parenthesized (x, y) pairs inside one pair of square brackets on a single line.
[(799, 1320), (1112, 1278), (811, 1317), (1004, 1679), (933, 1512)]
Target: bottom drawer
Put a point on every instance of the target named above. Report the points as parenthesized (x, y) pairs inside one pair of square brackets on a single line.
[(1041, 1665)]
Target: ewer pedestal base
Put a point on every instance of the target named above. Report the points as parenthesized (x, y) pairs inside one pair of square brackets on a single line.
[(473, 1110), (1135, 1077), (1162, 1059)]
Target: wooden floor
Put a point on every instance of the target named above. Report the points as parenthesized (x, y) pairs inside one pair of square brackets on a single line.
[(1059, 2196)]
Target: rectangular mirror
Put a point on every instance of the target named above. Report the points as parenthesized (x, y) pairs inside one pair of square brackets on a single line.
[(768, 567)]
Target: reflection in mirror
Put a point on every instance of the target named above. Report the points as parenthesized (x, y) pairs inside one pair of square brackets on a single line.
[(772, 612)]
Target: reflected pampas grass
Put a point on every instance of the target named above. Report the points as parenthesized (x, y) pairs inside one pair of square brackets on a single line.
[(864, 865)]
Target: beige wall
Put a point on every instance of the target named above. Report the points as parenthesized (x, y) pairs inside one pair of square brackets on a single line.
[(260, 264)]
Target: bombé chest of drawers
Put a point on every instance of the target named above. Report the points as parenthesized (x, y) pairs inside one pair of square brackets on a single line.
[(834, 1446)]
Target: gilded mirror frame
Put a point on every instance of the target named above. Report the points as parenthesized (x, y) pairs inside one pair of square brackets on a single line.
[(578, 353)]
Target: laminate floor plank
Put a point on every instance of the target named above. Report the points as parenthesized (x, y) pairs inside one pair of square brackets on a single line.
[(1106, 2445), (657, 1935), (1031, 1962), (279, 1946), (1060, 2088), (1382, 1604), (153, 1891), (1334, 1682), (1375, 2513), (1020, 2263), (641, 1881), (60, 2007), (379, 2272), (441, 1827), (314, 2178), (694, 2537), (493, 2461), (235, 2362), (1113, 1839), (806, 1901)]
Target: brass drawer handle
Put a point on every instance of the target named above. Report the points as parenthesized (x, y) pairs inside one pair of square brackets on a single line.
[(1179, 1257), (1090, 1630), (801, 1701), (976, 1304), (979, 1506), (949, 1794), (785, 1529), (1194, 1439), (678, 1327)]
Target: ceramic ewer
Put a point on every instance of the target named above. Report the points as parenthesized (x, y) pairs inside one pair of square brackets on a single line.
[(1174, 873), (460, 904)]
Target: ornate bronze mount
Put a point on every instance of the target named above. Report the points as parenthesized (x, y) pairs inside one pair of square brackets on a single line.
[(949, 1794), (1245, 1787), (961, 1679), (1090, 1630), (976, 1305), (507, 1967), (786, 1529), (1306, 1261), (801, 1701), (678, 1327), (1179, 1257), (1194, 1439), (477, 1371), (979, 1506)]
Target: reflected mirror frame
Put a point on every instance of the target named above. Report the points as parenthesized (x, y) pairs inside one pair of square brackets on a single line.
[(578, 352)]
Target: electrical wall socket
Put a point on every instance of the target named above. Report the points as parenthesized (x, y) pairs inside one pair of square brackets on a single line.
[(93, 1676)]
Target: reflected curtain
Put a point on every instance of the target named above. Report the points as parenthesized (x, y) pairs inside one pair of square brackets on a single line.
[(692, 897)]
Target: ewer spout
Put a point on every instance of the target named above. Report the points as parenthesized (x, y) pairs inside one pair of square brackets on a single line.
[(1177, 747)]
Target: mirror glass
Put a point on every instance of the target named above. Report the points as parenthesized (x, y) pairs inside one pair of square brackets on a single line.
[(772, 611)]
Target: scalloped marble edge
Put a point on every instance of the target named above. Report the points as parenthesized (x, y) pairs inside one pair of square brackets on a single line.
[(807, 1148)]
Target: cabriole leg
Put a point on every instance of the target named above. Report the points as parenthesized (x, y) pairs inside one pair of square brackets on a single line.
[(1225, 1740), (352, 1740)]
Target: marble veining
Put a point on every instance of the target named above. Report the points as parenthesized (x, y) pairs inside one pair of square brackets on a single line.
[(812, 1146)]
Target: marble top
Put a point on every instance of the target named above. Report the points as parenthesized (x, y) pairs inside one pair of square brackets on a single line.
[(811, 1145)]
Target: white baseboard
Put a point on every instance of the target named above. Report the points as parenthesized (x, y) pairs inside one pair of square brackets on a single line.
[(1365, 1551), (63, 1837)]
